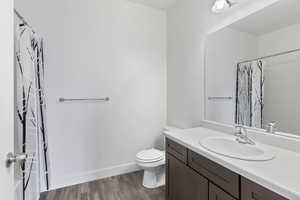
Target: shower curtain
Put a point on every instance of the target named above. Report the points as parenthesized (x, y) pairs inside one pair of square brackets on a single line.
[(249, 94), (31, 132)]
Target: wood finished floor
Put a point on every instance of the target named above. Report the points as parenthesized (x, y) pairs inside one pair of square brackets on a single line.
[(124, 187)]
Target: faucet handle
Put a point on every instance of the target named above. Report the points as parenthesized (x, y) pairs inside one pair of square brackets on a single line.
[(240, 126), (240, 130), (272, 124), (242, 135)]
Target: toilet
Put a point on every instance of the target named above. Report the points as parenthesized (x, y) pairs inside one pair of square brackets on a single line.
[(152, 161)]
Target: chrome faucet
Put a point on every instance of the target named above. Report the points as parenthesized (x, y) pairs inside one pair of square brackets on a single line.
[(271, 127), (242, 135)]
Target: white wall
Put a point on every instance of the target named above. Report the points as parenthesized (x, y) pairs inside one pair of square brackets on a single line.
[(281, 40), (282, 78), (281, 92), (188, 23), (100, 48), (224, 49)]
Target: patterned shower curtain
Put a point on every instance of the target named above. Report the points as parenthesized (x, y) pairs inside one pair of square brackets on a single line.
[(249, 94), (31, 132)]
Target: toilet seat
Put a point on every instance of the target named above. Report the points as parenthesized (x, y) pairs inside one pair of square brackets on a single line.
[(147, 165), (152, 161), (149, 156)]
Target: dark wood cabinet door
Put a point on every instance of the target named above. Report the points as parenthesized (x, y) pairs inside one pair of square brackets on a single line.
[(196, 186), (221, 176), (253, 191), (216, 193), (183, 183), (174, 178)]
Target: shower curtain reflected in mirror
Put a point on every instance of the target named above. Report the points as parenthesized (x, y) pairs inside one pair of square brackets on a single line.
[(249, 94)]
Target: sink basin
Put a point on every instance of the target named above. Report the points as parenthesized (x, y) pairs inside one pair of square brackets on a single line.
[(229, 147)]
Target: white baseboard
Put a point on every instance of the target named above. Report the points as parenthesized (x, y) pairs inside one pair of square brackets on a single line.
[(95, 175)]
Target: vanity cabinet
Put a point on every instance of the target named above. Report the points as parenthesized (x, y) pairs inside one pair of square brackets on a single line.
[(183, 183), (217, 174), (253, 191), (177, 150), (190, 176), (215, 193), (174, 176)]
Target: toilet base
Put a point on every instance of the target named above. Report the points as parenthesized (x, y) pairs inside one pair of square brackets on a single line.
[(154, 177)]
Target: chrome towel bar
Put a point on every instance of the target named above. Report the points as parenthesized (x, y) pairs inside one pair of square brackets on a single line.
[(84, 99), (220, 98)]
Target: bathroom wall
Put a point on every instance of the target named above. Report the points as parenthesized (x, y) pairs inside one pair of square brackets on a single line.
[(188, 23), (280, 103), (100, 48), (270, 43), (224, 50)]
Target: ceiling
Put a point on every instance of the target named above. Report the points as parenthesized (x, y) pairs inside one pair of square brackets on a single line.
[(165, 4), (161, 4), (277, 16)]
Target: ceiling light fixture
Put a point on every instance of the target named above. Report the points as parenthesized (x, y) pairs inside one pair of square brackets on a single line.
[(221, 5)]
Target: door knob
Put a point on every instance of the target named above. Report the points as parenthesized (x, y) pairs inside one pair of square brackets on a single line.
[(15, 158)]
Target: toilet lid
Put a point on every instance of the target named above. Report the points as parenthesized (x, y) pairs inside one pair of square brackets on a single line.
[(150, 155)]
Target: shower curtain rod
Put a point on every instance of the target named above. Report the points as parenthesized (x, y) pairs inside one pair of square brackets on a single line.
[(23, 20), (270, 56)]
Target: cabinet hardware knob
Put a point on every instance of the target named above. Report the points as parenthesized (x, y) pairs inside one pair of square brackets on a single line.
[(254, 196)]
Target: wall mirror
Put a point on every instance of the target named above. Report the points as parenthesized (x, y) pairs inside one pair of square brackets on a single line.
[(252, 70)]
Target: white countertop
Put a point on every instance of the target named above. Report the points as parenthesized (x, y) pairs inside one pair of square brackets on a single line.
[(280, 175)]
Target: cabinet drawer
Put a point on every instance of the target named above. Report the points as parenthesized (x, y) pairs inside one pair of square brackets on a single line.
[(216, 193), (222, 177), (177, 150), (253, 191)]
